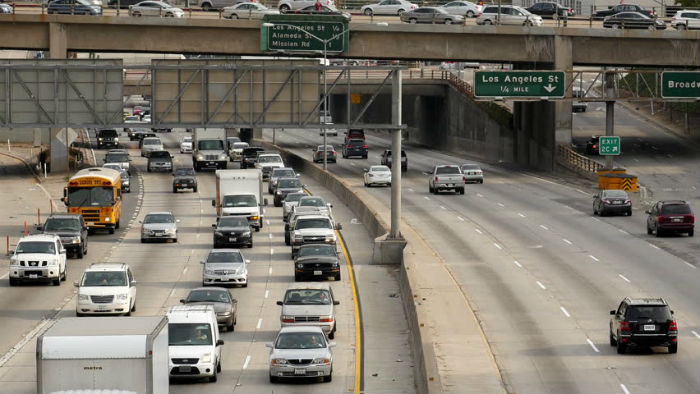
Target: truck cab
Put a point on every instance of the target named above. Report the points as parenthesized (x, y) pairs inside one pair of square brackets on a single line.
[(446, 177), (38, 258), (209, 153)]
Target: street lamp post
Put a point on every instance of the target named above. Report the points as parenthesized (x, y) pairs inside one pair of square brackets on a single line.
[(325, 79)]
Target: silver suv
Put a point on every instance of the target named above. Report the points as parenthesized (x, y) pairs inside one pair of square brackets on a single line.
[(510, 15), (309, 304), (287, 5), (208, 5)]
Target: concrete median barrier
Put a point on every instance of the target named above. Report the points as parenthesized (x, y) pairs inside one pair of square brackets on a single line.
[(451, 352)]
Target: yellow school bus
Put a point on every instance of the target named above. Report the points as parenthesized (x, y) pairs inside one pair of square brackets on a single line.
[(95, 193)]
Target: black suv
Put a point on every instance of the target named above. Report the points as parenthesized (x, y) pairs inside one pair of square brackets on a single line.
[(355, 148), (184, 178), (386, 159), (643, 322), (316, 261), (71, 228), (107, 137), (249, 156)]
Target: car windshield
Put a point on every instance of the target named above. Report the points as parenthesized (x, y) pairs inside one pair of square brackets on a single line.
[(189, 334), (107, 133), (104, 278), (269, 159), (312, 202), (289, 183), (329, 148), (187, 139), (379, 169), (208, 296), (184, 171), (356, 142), (307, 297), (116, 157), (62, 225), (300, 340), (653, 312), (240, 145), (90, 196), (151, 141), (614, 194), (470, 167), (447, 170), (294, 197), (286, 173), (211, 145), (239, 201), (317, 250), (225, 257), (159, 218), (160, 154), (36, 247), (233, 221), (675, 209), (312, 223), (253, 152)]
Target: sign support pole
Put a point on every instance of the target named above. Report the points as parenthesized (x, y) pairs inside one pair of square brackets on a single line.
[(609, 113), (395, 232)]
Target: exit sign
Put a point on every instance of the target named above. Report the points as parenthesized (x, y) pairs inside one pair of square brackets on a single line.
[(609, 145), (676, 84), (519, 84)]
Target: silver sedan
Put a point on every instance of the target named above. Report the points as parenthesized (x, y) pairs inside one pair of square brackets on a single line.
[(155, 8), (247, 10), (466, 8), (225, 306), (159, 226), (301, 352), (377, 175), (388, 7), (431, 15)]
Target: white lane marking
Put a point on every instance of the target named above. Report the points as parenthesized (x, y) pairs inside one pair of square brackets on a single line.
[(595, 218), (442, 207), (4, 276), (593, 257), (185, 270), (541, 285), (198, 235), (24, 341), (696, 334), (592, 345), (479, 194), (581, 191), (201, 211), (564, 311), (426, 197), (623, 387), (267, 222), (460, 218), (497, 246), (500, 205), (272, 251), (690, 265), (247, 361), (622, 231), (518, 264), (521, 215), (623, 278), (567, 241), (267, 293), (259, 324), (542, 226), (410, 190), (478, 231), (191, 251), (269, 272), (172, 292), (352, 164), (654, 246), (270, 235)]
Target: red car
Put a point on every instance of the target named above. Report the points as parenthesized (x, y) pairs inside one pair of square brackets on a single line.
[(674, 216)]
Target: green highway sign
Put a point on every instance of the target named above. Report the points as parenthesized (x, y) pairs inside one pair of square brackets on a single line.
[(522, 84), (677, 84), (304, 33), (608, 145)]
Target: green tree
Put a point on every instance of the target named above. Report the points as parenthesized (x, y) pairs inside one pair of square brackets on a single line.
[(688, 3)]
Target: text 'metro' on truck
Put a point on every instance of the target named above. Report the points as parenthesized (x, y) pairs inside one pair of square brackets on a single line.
[(96, 194)]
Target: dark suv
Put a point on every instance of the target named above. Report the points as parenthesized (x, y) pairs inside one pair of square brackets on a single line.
[(672, 216), (71, 228), (184, 178), (643, 322), (249, 156), (387, 161), (355, 148), (354, 134), (107, 137)]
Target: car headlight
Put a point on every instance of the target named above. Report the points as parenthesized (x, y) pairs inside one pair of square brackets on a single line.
[(218, 233), (106, 219), (278, 361), (123, 296), (200, 157), (52, 263), (83, 297), (206, 358), (298, 236), (322, 360), (335, 265), (300, 265), (245, 234), (14, 261), (222, 157), (75, 240), (208, 271), (330, 238)]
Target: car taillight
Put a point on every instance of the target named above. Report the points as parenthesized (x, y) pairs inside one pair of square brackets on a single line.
[(689, 219), (333, 152), (595, 146), (624, 326), (365, 146), (288, 320), (660, 219), (436, 179), (326, 320), (672, 326), (479, 15), (349, 146), (464, 178)]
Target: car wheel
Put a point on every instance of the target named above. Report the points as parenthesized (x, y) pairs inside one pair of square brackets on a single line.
[(128, 313), (213, 378), (616, 27), (231, 327), (368, 11), (673, 349), (245, 284), (133, 307), (206, 7), (337, 277), (174, 190), (400, 11), (284, 8), (528, 23), (629, 213), (64, 276), (195, 189), (328, 379), (218, 366), (613, 342), (621, 347), (297, 277), (470, 14), (681, 27), (250, 245), (136, 13), (413, 21), (691, 233), (595, 211), (286, 239), (658, 232), (169, 15), (430, 190), (488, 22), (649, 230), (233, 16), (448, 21), (461, 190), (79, 254), (111, 230), (651, 27), (273, 379)]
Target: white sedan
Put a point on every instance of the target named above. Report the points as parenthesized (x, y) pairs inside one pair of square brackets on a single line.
[(329, 129), (388, 7), (466, 8), (155, 8), (377, 175), (247, 10)]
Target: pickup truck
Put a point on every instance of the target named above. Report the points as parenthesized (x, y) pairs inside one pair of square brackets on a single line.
[(446, 177)]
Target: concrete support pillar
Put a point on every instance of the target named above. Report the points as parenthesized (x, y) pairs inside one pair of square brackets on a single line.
[(58, 41), (59, 150), (563, 118)]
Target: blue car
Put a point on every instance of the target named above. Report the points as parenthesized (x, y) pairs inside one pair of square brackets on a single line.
[(74, 7)]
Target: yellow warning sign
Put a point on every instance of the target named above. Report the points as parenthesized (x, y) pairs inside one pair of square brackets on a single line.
[(629, 184), (355, 98)]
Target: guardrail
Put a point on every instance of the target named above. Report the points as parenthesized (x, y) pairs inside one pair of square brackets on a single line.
[(578, 162)]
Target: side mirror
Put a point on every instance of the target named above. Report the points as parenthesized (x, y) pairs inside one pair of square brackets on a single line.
[(219, 342), (133, 283), (672, 312), (65, 200), (280, 303), (141, 221), (213, 225), (268, 344), (75, 284), (265, 201), (12, 252), (182, 300), (331, 344), (365, 170), (40, 228), (338, 226), (612, 312), (177, 220), (202, 262), (336, 302), (213, 203), (172, 156), (85, 229), (329, 205), (247, 261), (173, 174), (62, 251), (648, 212)]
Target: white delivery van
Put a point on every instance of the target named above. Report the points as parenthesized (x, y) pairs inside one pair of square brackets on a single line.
[(240, 193), (195, 343), (115, 353)]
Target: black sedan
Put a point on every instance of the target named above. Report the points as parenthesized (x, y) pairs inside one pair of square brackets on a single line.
[(549, 9), (612, 202), (232, 230), (285, 186), (316, 261), (325, 10), (633, 20), (74, 7)]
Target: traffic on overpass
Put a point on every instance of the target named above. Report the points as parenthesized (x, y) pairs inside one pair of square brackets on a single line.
[(311, 208)]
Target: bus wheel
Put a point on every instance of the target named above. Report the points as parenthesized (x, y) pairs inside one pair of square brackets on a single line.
[(117, 225), (111, 230)]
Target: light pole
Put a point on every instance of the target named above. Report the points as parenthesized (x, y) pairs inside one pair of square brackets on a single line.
[(325, 79)]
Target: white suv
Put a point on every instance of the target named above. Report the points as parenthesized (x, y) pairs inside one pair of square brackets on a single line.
[(287, 5), (686, 19), (195, 343), (313, 229), (38, 258), (106, 289)]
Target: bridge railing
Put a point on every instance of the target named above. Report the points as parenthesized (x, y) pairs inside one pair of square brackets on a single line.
[(577, 162)]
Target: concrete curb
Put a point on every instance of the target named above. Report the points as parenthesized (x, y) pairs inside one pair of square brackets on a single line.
[(26, 164), (430, 294)]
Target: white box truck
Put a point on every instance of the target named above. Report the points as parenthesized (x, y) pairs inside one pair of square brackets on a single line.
[(111, 353), (240, 193)]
